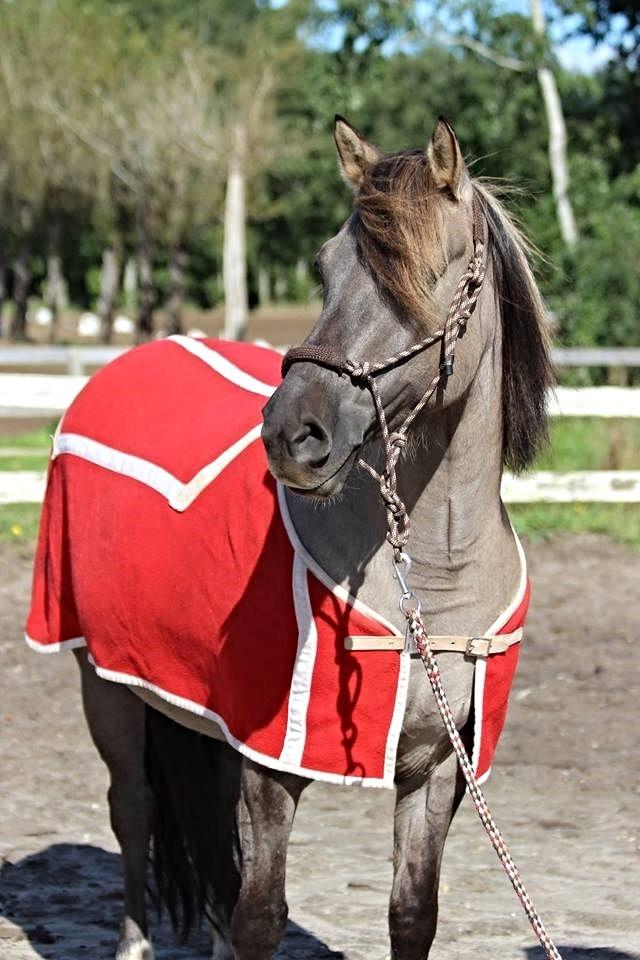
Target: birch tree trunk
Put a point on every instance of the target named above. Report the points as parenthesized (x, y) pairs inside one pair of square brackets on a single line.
[(178, 263), (234, 256), (109, 276), (557, 137)]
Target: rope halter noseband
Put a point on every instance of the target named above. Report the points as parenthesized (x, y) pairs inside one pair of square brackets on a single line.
[(364, 372)]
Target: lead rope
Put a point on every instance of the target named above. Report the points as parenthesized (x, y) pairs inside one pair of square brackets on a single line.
[(416, 629)]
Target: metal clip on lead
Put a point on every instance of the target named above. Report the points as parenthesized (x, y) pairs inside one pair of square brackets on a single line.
[(401, 572)]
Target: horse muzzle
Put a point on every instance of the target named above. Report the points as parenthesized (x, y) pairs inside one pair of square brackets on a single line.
[(313, 432)]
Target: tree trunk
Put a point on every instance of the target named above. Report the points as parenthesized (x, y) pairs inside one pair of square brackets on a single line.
[(22, 276), (264, 285), (21, 284), (54, 287), (109, 277), (280, 285), (3, 286), (234, 258), (178, 263), (130, 285), (146, 291), (557, 138)]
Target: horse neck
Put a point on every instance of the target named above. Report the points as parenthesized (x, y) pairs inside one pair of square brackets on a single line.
[(466, 566)]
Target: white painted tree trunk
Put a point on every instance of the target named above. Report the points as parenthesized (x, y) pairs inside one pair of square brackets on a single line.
[(234, 257), (557, 137)]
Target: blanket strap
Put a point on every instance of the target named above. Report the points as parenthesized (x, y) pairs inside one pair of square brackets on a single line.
[(469, 646)]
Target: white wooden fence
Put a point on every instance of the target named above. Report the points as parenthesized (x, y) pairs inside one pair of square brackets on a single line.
[(48, 395)]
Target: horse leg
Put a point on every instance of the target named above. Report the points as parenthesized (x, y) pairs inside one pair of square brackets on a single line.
[(423, 815), (116, 720), (266, 809)]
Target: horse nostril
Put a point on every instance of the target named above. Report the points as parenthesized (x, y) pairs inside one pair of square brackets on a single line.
[(311, 444)]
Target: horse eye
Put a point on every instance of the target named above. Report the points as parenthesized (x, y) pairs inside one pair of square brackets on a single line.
[(317, 267)]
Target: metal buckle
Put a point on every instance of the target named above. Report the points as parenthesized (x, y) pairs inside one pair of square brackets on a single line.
[(471, 652)]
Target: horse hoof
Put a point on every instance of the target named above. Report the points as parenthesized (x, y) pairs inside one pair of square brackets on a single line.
[(133, 945)]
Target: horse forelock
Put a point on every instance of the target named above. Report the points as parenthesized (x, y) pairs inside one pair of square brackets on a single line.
[(399, 221)]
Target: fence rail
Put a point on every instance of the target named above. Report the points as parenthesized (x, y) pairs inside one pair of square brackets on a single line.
[(76, 359), (585, 486), (49, 395)]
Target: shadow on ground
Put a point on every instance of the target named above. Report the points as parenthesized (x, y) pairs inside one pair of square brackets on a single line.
[(572, 952), (66, 901)]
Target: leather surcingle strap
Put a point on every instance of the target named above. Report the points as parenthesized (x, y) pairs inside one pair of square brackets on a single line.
[(471, 646)]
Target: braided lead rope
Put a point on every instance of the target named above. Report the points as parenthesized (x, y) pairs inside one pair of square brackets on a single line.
[(416, 628)]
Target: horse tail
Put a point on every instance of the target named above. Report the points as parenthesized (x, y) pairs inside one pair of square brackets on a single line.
[(195, 783)]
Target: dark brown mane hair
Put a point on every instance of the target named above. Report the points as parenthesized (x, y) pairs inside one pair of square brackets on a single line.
[(400, 218)]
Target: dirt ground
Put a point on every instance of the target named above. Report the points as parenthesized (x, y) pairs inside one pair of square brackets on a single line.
[(565, 791)]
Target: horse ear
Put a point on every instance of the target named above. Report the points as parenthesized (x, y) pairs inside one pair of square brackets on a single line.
[(355, 153), (446, 161)]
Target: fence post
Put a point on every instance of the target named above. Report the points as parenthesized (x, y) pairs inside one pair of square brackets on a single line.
[(75, 366)]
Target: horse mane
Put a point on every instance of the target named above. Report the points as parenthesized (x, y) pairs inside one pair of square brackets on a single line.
[(399, 220)]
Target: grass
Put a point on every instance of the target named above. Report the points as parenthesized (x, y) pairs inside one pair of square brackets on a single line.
[(590, 443), (29, 451), (23, 462), (39, 439), (19, 524), (621, 521)]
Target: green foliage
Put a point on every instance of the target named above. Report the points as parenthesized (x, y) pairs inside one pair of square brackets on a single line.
[(596, 291), (122, 112)]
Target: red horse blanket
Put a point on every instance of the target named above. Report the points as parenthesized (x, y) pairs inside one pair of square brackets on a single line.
[(167, 549)]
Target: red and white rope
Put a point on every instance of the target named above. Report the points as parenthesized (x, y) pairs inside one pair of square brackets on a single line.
[(417, 630)]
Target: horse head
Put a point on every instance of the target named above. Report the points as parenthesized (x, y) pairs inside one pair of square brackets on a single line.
[(388, 279)]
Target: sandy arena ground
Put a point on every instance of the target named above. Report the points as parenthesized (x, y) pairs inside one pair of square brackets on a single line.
[(565, 791)]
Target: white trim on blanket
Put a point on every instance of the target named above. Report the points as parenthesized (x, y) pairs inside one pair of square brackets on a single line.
[(72, 644), (221, 365), (480, 674), (273, 763), (178, 494), (303, 556), (185, 497), (300, 691), (321, 574), (126, 464)]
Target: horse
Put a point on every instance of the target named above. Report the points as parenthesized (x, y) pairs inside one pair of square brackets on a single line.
[(217, 821)]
